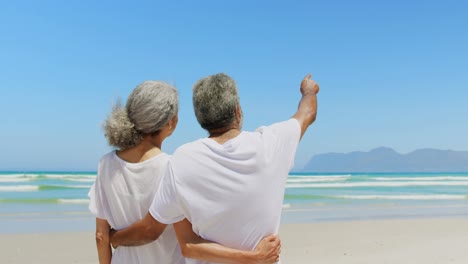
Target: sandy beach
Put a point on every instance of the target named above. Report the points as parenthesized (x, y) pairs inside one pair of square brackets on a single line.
[(427, 241)]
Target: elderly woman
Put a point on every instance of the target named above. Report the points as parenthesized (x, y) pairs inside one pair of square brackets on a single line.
[(129, 178)]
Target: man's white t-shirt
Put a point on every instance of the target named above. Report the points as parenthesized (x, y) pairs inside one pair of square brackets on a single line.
[(122, 194), (232, 193)]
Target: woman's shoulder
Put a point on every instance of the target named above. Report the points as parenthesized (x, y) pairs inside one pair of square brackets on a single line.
[(107, 157)]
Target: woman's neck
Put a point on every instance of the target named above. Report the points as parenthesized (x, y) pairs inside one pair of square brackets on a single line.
[(141, 152)]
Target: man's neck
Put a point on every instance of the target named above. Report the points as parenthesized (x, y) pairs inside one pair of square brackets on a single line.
[(224, 134)]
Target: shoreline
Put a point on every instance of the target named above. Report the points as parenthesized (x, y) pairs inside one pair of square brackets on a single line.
[(81, 220), (421, 240)]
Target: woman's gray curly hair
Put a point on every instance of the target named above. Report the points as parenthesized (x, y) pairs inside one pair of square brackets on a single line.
[(149, 107)]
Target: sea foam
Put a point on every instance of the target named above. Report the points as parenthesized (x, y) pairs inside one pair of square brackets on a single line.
[(4, 180), (335, 179), (378, 184), (440, 178), (73, 201), (19, 188), (405, 197)]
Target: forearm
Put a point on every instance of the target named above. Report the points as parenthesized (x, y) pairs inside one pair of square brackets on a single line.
[(193, 246), (213, 252), (142, 232), (104, 250), (135, 236), (307, 111), (102, 241)]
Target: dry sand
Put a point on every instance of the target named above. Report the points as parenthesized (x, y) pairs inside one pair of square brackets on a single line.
[(425, 241)]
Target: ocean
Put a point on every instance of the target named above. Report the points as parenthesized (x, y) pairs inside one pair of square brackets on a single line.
[(57, 201)]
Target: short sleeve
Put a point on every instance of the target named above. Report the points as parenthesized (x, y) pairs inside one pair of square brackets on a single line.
[(285, 139), (97, 200), (165, 207)]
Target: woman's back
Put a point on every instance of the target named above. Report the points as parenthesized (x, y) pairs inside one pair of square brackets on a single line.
[(122, 195)]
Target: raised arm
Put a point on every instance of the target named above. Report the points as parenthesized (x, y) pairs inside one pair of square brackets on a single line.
[(139, 233), (193, 246), (307, 110)]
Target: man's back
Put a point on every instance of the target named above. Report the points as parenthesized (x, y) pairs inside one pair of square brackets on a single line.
[(232, 193)]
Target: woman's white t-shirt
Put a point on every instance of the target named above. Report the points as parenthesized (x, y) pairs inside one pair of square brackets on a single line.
[(122, 195)]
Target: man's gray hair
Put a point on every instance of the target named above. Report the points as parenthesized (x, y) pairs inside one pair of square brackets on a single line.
[(149, 107), (215, 99)]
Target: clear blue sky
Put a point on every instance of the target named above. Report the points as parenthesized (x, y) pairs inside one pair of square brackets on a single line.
[(392, 73)]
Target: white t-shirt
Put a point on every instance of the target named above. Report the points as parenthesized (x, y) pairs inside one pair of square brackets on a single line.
[(122, 194), (231, 193)]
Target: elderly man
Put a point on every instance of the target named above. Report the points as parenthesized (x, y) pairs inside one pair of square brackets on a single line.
[(230, 186)]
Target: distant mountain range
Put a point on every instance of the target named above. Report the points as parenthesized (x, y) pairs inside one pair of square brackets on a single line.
[(385, 159)]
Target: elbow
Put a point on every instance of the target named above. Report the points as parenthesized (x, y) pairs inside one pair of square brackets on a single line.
[(311, 117), (151, 228), (187, 251), (152, 233), (102, 238)]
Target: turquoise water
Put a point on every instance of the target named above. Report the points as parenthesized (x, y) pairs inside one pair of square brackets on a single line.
[(342, 196), (402, 188), (36, 197)]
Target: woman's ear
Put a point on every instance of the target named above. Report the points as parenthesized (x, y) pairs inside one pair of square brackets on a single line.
[(173, 122)]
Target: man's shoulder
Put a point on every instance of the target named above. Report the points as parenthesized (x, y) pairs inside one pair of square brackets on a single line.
[(290, 123)]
